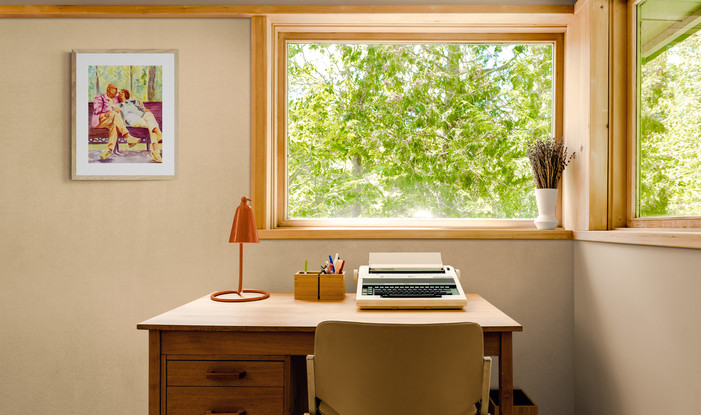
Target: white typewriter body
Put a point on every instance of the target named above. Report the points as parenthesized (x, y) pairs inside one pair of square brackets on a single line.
[(408, 280)]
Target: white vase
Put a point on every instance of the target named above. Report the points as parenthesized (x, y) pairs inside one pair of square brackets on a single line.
[(546, 200)]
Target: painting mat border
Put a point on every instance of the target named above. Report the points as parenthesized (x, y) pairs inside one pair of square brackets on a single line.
[(167, 171)]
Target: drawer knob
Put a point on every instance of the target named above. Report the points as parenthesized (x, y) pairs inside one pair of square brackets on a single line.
[(242, 412), (235, 374)]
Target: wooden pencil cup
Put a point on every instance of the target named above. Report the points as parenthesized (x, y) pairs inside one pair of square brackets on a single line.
[(319, 287), (332, 286), (306, 286)]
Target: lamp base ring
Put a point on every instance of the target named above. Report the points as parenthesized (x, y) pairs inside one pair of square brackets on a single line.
[(263, 296)]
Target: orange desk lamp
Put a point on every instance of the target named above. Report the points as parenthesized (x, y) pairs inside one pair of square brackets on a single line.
[(243, 231)]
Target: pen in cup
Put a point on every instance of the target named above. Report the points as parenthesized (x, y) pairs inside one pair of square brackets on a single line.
[(339, 270)]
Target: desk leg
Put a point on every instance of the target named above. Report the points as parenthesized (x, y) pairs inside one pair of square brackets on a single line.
[(506, 375), (154, 372)]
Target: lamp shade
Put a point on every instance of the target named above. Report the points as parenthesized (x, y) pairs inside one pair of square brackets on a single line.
[(244, 228)]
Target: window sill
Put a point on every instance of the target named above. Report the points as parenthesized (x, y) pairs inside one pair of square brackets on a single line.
[(678, 238), (409, 233)]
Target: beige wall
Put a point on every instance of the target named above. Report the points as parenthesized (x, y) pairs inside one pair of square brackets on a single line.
[(82, 262), (637, 336), (294, 2)]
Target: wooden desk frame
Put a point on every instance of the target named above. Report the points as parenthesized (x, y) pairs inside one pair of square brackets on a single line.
[(282, 329)]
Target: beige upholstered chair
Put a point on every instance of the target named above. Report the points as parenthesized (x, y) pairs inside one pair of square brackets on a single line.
[(402, 369)]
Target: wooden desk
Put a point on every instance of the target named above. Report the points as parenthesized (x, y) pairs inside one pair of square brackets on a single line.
[(205, 343)]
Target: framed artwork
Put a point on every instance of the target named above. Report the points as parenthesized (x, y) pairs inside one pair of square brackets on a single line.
[(124, 114)]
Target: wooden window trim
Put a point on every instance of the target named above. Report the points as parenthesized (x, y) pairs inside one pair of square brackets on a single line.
[(268, 182), (412, 233), (622, 226), (678, 238), (547, 14)]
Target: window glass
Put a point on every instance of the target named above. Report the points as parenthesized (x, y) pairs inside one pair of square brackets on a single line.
[(669, 117), (411, 130)]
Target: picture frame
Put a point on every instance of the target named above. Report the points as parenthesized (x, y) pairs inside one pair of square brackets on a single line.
[(124, 114)]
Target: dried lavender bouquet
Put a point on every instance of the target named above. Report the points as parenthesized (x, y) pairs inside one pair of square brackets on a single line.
[(548, 159)]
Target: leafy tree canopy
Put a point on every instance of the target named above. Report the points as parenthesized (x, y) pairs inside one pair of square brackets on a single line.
[(415, 130), (670, 131)]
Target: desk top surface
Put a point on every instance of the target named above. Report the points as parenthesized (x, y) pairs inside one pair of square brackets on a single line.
[(281, 312)]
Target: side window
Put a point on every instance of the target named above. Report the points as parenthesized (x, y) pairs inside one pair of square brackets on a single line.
[(669, 109)]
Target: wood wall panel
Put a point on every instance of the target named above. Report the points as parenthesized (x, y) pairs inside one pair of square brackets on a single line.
[(575, 180), (587, 117), (599, 116), (260, 128)]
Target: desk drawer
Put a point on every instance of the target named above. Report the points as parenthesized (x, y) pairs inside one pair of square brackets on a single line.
[(224, 400), (225, 373)]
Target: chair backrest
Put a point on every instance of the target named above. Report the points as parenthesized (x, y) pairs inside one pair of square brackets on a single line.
[(364, 368)]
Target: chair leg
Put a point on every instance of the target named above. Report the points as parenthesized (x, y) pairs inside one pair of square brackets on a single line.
[(486, 378), (311, 388)]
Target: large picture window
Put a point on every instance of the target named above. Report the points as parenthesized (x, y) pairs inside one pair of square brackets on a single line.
[(414, 131), (669, 109)]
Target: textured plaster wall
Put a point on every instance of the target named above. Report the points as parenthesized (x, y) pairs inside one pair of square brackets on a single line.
[(82, 262)]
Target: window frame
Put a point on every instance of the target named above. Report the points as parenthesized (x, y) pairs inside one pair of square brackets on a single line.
[(269, 186), (635, 222)]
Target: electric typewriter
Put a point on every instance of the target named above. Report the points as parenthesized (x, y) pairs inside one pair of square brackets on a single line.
[(408, 280)]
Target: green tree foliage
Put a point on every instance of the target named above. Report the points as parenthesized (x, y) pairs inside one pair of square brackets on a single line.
[(670, 131), (415, 130), (133, 78)]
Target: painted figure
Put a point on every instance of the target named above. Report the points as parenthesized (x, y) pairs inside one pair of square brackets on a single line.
[(136, 115), (106, 115)]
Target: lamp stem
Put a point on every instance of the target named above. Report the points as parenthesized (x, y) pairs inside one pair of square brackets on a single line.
[(240, 269)]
